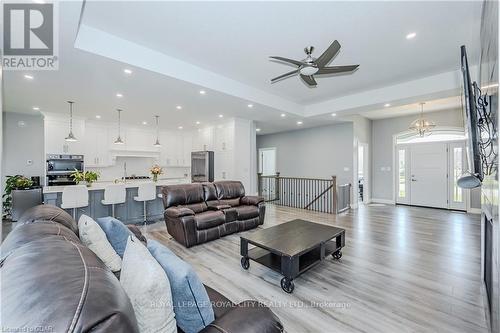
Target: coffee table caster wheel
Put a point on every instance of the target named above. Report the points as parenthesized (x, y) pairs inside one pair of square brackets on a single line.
[(245, 263), (287, 285), (337, 254)]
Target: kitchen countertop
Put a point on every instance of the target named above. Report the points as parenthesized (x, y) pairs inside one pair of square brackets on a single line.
[(131, 183)]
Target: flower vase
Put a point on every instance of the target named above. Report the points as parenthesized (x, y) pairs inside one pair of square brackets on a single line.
[(155, 177)]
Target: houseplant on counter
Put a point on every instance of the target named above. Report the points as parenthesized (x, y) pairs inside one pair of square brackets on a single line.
[(87, 176), (17, 182), (155, 171)]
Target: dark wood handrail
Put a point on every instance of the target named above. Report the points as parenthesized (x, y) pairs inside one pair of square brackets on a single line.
[(318, 194)]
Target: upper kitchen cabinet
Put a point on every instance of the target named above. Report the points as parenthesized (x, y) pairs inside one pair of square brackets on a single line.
[(140, 139), (224, 137), (96, 152), (56, 129), (203, 139)]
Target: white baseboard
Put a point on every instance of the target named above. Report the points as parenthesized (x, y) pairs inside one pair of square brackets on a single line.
[(383, 201), (474, 211)]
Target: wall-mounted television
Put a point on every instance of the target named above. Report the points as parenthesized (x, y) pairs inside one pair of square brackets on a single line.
[(475, 176)]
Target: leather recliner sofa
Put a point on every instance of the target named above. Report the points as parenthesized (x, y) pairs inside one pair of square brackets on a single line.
[(51, 282), (198, 213)]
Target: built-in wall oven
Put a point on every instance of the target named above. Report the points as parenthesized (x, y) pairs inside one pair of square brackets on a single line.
[(60, 168)]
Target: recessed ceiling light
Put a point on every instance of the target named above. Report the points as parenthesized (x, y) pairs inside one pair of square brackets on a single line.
[(127, 71), (203, 92), (29, 77), (283, 115), (250, 106), (411, 35), (221, 116), (257, 129), (334, 114), (197, 123), (178, 107), (180, 127), (299, 123), (119, 95), (98, 116), (387, 105), (36, 108), (144, 122)]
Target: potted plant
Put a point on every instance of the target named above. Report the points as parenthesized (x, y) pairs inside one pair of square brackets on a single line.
[(86, 176), (155, 171), (17, 182)]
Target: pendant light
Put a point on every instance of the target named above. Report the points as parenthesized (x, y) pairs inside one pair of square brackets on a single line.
[(421, 125), (157, 143), (119, 140), (71, 137)]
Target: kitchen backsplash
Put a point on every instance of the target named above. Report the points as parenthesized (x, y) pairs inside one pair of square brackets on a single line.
[(138, 166)]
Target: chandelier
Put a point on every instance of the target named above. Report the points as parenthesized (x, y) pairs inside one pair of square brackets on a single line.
[(421, 125)]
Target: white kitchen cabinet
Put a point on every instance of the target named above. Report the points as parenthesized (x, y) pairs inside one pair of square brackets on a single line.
[(223, 165), (140, 140), (187, 143), (96, 153), (56, 130), (203, 139), (224, 137)]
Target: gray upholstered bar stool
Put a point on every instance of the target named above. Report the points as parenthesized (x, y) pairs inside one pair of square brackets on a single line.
[(114, 194), (75, 196), (146, 192)]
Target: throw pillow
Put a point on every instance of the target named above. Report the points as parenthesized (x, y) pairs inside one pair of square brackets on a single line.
[(192, 307), (116, 232), (148, 288), (95, 239)]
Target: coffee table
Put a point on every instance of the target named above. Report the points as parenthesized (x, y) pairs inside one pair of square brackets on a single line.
[(292, 248)]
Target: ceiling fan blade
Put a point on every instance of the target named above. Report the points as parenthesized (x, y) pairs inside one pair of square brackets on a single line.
[(291, 61), (284, 75), (337, 69), (309, 79), (329, 54)]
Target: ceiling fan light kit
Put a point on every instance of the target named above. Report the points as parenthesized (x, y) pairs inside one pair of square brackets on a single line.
[(311, 66)]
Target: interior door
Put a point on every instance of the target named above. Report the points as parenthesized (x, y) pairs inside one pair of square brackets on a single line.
[(267, 161), (429, 170)]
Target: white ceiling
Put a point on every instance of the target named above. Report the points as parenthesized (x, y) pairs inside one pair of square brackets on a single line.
[(234, 40)]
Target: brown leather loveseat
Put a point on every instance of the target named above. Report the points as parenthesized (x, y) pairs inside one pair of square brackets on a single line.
[(198, 213)]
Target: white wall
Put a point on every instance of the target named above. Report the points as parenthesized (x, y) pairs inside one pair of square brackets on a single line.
[(319, 152), (383, 131), (22, 143)]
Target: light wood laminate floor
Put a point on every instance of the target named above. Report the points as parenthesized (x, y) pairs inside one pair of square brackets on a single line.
[(404, 269)]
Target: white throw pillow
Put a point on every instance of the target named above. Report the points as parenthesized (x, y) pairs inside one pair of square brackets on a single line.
[(148, 288), (95, 239)]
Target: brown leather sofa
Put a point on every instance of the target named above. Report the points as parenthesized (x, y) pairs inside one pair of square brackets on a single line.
[(51, 282), (198, 213)]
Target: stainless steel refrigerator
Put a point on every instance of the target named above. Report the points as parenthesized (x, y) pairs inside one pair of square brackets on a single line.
[(202, 166)]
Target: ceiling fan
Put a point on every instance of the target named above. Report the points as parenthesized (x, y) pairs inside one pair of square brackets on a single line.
[(311, 66)]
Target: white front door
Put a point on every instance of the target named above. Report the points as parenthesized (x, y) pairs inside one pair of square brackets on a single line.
[(428, 175)]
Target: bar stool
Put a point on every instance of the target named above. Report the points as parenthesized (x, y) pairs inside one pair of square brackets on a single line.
[(114, 194), (75, 196), (146, 192)]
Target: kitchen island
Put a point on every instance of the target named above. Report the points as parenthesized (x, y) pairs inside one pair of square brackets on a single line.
[(129, 212)]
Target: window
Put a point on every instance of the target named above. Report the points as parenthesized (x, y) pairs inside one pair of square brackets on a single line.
[(401, 173), (457, 172)]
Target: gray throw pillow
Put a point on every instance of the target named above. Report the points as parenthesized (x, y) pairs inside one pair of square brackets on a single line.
[(148, 288)]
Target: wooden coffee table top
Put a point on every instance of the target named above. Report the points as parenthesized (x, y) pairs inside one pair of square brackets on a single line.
[(293, 238)]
